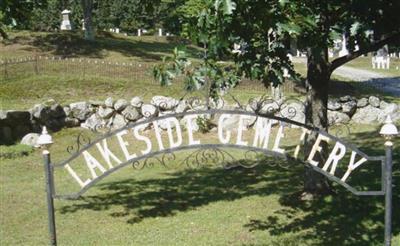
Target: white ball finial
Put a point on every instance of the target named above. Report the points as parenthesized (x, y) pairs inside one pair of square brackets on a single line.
[(389, 130), (44, 139)]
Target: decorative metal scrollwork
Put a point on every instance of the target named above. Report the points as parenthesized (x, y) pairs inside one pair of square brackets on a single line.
[(291, 108), (264, 105), (340, 130), (152, 161), (81, 140), (207, 157), (213, 157), (285, 108), (194, 102), (100, 128), (241, 106)]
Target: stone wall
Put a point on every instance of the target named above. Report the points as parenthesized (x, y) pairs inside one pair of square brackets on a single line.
[(118, 113)]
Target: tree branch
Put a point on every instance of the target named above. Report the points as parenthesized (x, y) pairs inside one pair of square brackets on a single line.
[(373, 47)]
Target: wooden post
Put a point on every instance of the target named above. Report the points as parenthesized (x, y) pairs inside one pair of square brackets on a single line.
[(5, 69), (36, 65)]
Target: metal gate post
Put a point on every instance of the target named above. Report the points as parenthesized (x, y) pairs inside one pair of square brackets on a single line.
[(388, 193), (45, 141), (389, 131)]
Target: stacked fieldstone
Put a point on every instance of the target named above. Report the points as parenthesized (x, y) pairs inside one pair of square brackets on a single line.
[(114, 114), (363, 111)]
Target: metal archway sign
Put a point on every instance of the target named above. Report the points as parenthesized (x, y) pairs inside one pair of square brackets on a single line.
[(158, 138)]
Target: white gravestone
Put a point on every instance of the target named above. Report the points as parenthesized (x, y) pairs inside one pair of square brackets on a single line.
[(343, 51), (300, 54), (380, 62), (330, 53), (285, 71), (382, 59), (160, 32), (139, 32), (65, 24)]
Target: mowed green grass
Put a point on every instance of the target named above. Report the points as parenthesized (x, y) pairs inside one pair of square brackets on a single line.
[(158, 206), (365, 63), (110, 46), (203, 206), (72, 81)]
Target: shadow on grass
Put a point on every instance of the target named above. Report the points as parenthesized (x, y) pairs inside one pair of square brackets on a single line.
[(187, 189), (361, 89), (72, 44), (341, 219)]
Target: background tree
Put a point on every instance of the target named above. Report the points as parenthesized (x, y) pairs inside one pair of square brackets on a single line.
[(264, 28), (87, 7), (17, 13), (127, 15)]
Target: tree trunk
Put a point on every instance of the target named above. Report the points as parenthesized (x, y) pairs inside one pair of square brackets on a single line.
[(3, 34), (87, 6), (317, 86)]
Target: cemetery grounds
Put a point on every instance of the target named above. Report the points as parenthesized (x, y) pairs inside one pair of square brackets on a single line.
[(158, 206)]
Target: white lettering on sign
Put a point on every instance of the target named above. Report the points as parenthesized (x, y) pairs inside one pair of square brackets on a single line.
[(353, 165), (263, 130), (170, 123), (107, 154), (278, 138), (316, 148), (142, 143), (93, 164), (124, 145), (336, 155), (302, 138), (157, 131), (221, 137), (189, 125), (142, 138), (241, 128), (76, 177)]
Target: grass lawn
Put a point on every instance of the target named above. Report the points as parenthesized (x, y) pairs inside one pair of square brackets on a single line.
[(180, 206), (365, 63), (110, 46), (72, 81), (204, 206)]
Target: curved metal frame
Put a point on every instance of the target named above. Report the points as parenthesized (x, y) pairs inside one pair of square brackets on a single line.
[(205, 146)]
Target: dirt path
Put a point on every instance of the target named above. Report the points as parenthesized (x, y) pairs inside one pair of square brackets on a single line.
[(380, 81)]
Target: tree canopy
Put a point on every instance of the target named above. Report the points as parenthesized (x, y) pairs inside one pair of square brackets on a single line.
[(127, 15), (262, 30)]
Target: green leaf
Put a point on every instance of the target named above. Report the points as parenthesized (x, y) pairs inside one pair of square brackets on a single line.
[(227, 6), (283, 2)]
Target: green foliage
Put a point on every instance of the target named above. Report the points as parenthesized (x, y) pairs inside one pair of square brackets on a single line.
[(209, 74), (128, 15), (204, 123), (18, 13), (264, 30), (15, 151), (171, 67)]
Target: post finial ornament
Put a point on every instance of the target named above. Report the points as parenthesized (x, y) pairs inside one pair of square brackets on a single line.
[(45, 140), (389, 130)]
